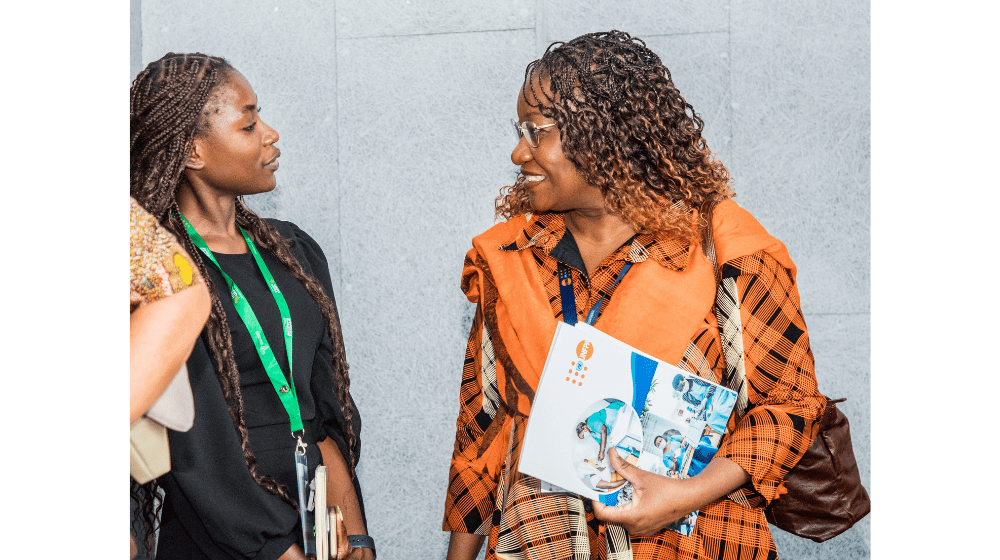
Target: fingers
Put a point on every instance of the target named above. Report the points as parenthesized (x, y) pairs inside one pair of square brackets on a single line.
[(625, 469), (614, 514), (610, 514), (344, 548)]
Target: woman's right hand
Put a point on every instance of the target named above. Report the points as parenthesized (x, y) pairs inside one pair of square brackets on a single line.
[(344, 549)]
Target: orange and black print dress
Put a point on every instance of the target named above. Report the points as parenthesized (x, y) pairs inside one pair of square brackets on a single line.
[(663, 307)]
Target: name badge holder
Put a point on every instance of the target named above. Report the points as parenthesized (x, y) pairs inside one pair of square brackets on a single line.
[(569, 299), (285, 390)]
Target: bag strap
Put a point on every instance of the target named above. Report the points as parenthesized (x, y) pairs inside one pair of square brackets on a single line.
[(727, 312), (708, 242)]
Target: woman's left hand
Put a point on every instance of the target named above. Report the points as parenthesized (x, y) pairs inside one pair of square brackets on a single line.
[(358, 554), (658, 501), (344, 549), (340, 490)]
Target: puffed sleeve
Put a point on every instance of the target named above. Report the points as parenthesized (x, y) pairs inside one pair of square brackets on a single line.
[(325, 391), (324, 387), (482, 429), (328, 409), (784, 404)]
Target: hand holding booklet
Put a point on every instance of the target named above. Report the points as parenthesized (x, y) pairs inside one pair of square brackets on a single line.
[(597, 393)]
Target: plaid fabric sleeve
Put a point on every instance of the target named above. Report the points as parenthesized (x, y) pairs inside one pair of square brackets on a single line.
[(784, 402), (480, 438)]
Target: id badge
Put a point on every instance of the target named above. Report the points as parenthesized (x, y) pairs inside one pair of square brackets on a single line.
[(306, 516)]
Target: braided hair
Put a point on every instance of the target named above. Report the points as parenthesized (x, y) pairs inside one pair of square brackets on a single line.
[(169, 107), (627, 129)]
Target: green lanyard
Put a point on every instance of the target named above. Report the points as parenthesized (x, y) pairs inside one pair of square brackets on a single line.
[(286, 391)]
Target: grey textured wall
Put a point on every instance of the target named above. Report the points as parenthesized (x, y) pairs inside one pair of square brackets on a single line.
[(394, 115), (135, 38)]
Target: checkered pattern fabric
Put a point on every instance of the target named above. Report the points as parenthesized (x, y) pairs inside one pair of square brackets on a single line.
[(488, 496)]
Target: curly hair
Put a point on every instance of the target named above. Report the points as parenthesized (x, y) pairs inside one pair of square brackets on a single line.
[(628, 131), (170, 102)]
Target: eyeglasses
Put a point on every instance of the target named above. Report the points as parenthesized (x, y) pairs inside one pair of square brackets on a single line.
[(529, 130)]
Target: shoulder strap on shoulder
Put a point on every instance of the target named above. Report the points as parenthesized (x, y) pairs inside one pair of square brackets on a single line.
[(708, 240), (727, 312)]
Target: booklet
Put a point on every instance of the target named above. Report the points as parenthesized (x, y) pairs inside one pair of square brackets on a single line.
[(597, 393)]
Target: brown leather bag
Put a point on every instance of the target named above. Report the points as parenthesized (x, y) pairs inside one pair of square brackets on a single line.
[(825, 496), (824, 493)]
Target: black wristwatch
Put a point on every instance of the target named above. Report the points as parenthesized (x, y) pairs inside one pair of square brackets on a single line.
[(363, 541)]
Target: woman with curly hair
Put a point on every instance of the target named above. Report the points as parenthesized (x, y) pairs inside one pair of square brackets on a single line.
[(269, 373), (614, 172)]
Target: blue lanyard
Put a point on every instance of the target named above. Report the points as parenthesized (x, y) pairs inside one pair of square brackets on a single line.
[(569, 299), (642, 367)]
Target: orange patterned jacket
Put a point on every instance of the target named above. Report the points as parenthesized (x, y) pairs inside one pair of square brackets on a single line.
[(664, 307)]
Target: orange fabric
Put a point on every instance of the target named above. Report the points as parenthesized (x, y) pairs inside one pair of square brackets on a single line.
[(656, 310), (663, 307), (636, 317), (737, 233)]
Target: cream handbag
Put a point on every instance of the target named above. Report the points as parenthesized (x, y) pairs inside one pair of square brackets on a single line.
[(149, 450)]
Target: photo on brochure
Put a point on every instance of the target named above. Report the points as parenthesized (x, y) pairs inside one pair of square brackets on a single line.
[(682, 444), (606, 424)]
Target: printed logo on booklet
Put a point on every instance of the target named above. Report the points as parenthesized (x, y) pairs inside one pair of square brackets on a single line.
[(577, 371)]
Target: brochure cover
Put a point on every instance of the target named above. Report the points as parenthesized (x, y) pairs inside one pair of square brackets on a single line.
[(597, 393)]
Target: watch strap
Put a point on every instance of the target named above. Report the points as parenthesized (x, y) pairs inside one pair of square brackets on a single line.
[(362, 541)]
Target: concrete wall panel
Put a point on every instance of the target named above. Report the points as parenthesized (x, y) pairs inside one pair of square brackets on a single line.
[(378, 18), (287, 51), (801, 116), (562, 20), (135, 38), (425, 146)]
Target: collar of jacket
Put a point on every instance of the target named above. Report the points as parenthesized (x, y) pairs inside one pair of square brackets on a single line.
[(545, 231), (655, 309)]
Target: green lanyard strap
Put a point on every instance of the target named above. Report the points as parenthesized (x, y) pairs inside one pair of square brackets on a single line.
[(285, 391)]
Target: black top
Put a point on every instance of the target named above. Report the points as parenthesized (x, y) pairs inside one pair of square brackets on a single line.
[(213, 507)]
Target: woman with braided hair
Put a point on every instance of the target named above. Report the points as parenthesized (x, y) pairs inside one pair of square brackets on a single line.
[(616, 178), (269, 374)]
